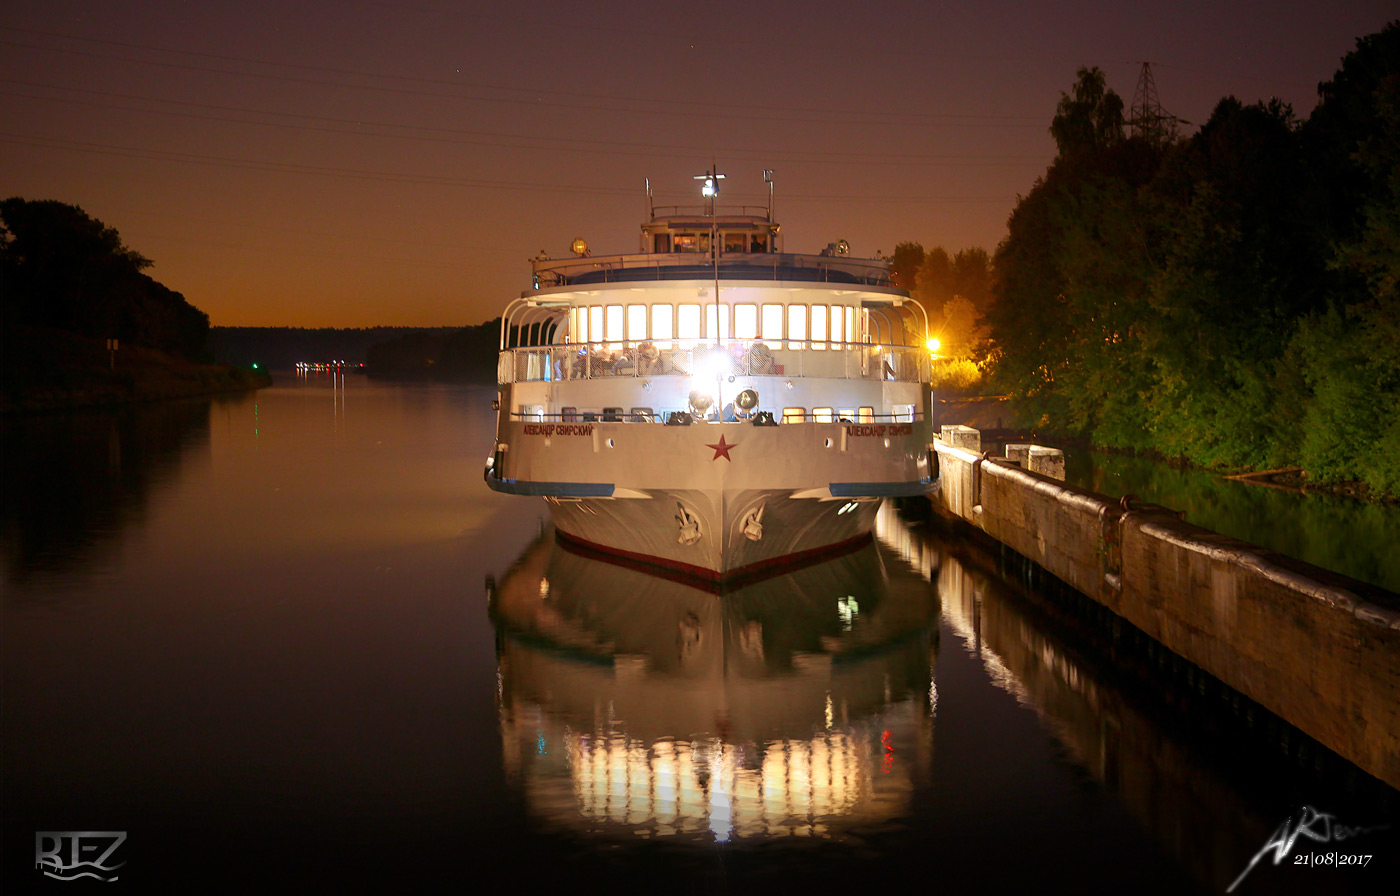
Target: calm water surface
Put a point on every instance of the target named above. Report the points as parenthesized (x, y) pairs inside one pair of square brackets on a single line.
[(293, 638)]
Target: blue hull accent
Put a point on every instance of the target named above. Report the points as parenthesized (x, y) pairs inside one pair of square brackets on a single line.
[(878, 489), (552, 489)]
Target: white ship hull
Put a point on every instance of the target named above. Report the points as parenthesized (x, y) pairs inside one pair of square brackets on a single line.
[(714, 500)]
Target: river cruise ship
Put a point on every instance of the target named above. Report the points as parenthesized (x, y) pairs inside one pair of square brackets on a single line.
[(712, 403)]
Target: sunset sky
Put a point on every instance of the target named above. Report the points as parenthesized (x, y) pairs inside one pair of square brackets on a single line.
[(349, 163)]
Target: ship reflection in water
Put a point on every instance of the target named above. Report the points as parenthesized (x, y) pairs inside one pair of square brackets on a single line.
[(637, 707)]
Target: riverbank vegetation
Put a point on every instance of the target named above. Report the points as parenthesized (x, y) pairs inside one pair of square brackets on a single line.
[(83, 324), (1229, 297)]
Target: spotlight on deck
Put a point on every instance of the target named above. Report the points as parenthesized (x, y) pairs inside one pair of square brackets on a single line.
[(579, 247), (701, 403), (745, 403)]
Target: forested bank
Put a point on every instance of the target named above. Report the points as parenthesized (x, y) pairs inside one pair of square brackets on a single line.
[(82, 324), (1228, 297)]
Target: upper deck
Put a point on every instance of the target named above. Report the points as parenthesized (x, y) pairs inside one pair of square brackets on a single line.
[(695, 243)]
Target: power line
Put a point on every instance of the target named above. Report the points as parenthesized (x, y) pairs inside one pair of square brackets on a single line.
[(649, 106), (521, 141), (146, 154)]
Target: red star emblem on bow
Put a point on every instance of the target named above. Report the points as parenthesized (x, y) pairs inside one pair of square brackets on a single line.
[(722, 449)]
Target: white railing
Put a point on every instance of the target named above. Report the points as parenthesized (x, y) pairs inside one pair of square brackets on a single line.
[(699, 357), (699, 265)]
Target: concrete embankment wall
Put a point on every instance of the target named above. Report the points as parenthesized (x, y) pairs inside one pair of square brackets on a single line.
[(1320, 650)]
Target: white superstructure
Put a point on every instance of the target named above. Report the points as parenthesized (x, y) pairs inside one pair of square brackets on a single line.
[(716, 412)]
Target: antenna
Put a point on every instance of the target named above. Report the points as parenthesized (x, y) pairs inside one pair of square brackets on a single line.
[(1146, 118), (768, 179)]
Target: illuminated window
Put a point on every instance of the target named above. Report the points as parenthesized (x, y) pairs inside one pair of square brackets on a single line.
[(578, 325), (866, 415), (837, 323), (822, 415), (818, 326), (717, 321), (686, 242), (797, 325), (688, 323), (734, 242), (661, 322), (595, 323), (772, 321), (847, 415), (758, 243), (663, 242), (614, 323), (745, 321), (904, 413), (794, 415), (851, 324), (636, 322)]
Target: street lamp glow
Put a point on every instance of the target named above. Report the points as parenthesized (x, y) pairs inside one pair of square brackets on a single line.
[(933, 345)]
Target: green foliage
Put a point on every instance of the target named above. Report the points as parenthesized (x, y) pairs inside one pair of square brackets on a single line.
[(956, 377), (1173, 297)]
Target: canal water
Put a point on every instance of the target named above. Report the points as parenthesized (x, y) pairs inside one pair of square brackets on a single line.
[(291, 638)]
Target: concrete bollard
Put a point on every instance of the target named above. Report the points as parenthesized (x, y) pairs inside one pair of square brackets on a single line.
[(1046, 461), (960, 436), (1019, 453)]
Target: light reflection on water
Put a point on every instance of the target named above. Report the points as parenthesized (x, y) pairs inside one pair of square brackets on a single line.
[(634, 706)]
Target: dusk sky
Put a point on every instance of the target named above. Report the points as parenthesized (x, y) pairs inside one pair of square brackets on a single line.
[(355, 163)]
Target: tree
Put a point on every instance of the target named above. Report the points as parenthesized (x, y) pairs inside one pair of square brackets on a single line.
[(1088, 119), (66, 270), (904, 265)]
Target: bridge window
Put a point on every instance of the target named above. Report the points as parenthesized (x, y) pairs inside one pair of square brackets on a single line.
[(688, 324), (687, 242), (797, 325), (661, 322), (773, 322), (745, 321), (734, 242), (663, 242), (759, 243)]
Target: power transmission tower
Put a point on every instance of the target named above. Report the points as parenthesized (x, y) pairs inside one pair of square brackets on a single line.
[(1146, 118)]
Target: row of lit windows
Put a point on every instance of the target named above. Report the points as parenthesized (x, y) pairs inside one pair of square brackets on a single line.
[(615, 323)]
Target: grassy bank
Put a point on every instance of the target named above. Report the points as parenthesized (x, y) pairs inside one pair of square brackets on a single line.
[(43, 370)]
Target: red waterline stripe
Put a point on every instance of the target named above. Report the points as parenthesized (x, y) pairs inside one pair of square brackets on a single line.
[(709, 579)]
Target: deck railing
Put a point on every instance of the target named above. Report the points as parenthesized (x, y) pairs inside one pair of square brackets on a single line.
[(700, 266), (698, 357)]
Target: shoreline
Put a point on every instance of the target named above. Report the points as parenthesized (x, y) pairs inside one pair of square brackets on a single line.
[(52, 371)]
